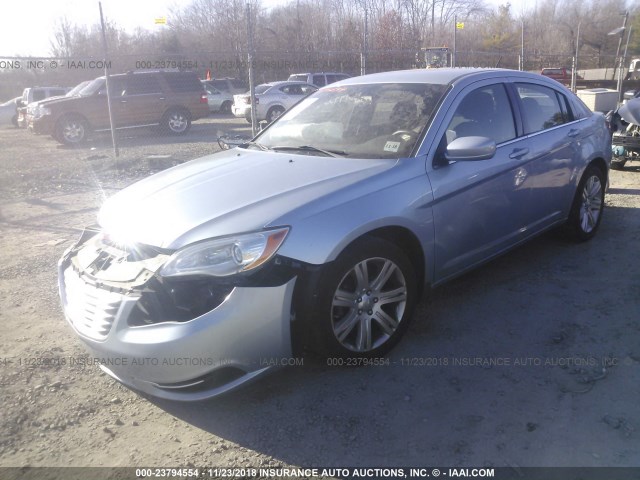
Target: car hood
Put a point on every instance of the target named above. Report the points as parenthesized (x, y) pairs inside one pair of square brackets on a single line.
[(230, 192), (630, 111)]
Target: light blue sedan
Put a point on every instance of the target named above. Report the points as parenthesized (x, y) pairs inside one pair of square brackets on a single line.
[(324, 230)]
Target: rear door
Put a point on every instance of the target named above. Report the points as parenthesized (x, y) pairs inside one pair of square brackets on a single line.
[(553, 143), (141, 102)]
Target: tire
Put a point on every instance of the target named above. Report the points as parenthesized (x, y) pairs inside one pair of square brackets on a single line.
[(176, 121), (364, 301), (588, 205), (274, 112), (225, 107), (618, 164), (71, 130)]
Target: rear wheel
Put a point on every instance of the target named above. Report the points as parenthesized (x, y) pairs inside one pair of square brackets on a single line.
[(364, 301), (71, 130), (176, 121), (588, 205), (225, 107), (274, 112), (618, 164)]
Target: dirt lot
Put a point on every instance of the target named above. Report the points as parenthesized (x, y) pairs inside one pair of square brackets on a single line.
[(562, 319)]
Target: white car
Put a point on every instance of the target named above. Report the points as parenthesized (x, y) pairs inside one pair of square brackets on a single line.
[(9, 112), (218, 100), (272, 99)]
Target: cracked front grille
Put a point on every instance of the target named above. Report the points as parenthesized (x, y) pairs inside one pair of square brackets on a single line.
[(90, 309)]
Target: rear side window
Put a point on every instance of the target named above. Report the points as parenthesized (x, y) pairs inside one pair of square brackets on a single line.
[(182, 82), (540, 107), (142, 84), (291, 89)]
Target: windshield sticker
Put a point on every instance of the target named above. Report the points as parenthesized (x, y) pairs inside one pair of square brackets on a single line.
[(391, 146)]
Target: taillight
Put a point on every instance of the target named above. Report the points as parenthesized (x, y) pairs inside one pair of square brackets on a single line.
[(203, 98)]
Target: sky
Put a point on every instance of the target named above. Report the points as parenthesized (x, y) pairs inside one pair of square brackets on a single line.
[(31, 36)]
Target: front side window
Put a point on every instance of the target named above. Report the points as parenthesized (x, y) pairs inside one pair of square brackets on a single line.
[(540, 107), (485, 112), (358, 121)]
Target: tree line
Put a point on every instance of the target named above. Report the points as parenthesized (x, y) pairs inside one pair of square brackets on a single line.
[(335, 34)]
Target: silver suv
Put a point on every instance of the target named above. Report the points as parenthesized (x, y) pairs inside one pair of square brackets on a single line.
[(319, 79)]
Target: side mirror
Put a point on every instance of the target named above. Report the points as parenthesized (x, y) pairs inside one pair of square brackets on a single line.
[(470, 148)]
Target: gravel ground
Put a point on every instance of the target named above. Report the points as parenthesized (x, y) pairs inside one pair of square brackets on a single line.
[(561, 319)]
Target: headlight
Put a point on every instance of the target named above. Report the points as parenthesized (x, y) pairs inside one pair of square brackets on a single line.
[(225, 256)]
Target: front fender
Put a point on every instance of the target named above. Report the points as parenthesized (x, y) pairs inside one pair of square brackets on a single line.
[(320, 237)]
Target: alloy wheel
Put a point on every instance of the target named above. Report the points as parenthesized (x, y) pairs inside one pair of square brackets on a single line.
[(369, 304)]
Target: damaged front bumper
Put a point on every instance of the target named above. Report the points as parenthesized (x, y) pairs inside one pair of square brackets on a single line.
[(147, 335)]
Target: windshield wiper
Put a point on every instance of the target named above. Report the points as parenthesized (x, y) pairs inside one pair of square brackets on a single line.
[(310, 148), (254, 144)]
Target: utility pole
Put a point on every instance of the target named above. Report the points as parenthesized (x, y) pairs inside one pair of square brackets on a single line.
[(455, 35), (116, 151), (624, 26), (522, 46), (252, 90), (574, 70), (365, 40)]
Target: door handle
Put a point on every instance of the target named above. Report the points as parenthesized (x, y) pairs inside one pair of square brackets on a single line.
[(123, 101), (162, 98), (519, 153), (574, 132)]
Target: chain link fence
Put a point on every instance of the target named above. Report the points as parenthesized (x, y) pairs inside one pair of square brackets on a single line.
[(142, 99)]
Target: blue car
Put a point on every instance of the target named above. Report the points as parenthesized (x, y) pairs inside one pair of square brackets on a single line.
[(323, 231)]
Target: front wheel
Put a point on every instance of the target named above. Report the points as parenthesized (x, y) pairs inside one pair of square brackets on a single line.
[(365, 301), (588, 205), (71, 130)]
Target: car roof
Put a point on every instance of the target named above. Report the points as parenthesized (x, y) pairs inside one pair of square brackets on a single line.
[(320, 73), (441, 76), (287, 82)]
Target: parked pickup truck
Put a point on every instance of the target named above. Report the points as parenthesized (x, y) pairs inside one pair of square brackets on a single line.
[(561, 74)]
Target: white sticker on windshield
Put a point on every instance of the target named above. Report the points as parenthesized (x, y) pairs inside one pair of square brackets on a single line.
[(391, 146)]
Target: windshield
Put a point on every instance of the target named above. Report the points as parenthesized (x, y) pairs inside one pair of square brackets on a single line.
[(76, 90), (359, 121), (92, 88)]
